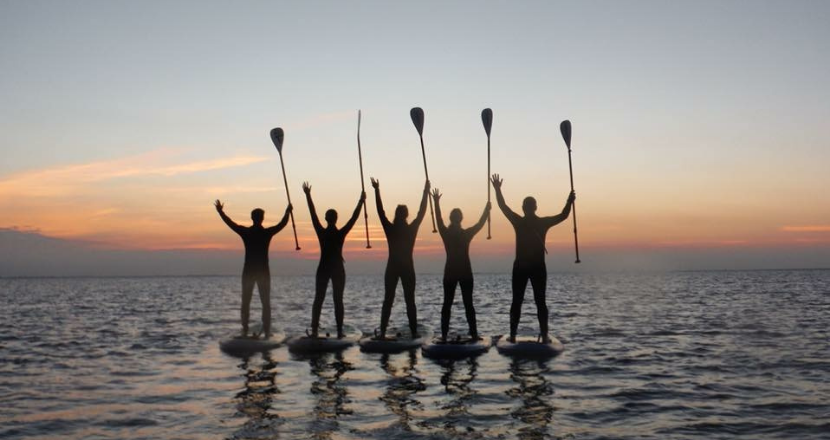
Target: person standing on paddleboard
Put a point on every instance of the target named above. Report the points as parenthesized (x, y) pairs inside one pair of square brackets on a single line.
[(331, 260), (400, 237), (457, 270), (256, 270), (530, 256)]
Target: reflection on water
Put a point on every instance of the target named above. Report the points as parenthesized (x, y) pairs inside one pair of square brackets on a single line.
[(534, 392), (456, 377), (256, 399), (331, 395), (402, 386)]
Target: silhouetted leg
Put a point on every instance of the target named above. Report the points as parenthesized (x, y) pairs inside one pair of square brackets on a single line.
[(338, 284), (248, 282), (321, 283), (390, 283), (408, 282), (519, 283), (446, 310), (467, 295), (538, 280), (264, 283)]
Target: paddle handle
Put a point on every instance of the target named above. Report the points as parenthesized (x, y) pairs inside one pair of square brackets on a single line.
[(488, 186), (573, 206), (426, 174), (362, 183), (288, 196)]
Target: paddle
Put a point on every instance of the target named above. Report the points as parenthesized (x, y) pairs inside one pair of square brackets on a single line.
[(277, 136), (565, 128), (417, 115), (487, 120), (362, 184)]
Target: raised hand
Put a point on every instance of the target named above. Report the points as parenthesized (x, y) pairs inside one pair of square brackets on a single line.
[(488, 206), (289, 208), (436, 195), (497, 181), (426, 186), (363, 196), (571, 197), (219, 206), (375, 183), (306, 188)]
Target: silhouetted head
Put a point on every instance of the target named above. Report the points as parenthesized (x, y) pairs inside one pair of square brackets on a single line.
[(529, 205), (257, 215), (401, 213), (331, 217), (456, 216)]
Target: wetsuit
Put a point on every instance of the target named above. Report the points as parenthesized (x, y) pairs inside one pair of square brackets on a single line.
[(256, 270), (458, 269), (401, 240), (331, 265), (530, 261)]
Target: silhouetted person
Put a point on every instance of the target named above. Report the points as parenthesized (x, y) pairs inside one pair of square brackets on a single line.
[(400, 237), (457, 269), (331, 260), (530, 256), (256, 271)]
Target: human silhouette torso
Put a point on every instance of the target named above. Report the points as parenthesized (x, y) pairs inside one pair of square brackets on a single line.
[(457, 245)]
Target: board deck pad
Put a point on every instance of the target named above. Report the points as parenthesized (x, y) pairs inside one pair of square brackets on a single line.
[(398, 339), (246, 346), (528, 347), (326, 340), (456, 347)]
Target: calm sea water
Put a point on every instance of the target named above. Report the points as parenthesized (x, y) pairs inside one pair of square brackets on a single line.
[(702, 355)]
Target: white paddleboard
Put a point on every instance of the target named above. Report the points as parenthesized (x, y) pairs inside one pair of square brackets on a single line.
[(528, 347), (326, 340), (245, 346), (456, 347), (397, 339)]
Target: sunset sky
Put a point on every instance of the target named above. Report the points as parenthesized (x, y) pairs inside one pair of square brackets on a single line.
[(697, 126)]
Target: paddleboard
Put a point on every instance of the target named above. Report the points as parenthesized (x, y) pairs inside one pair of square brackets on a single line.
[(326, 340), (398, 339), (528, 347), (456, 347), (244, 346)]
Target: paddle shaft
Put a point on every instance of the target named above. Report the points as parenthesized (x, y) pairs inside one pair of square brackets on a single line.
[(288, 196), (573, 205), (488, 185), (362, 184), (426, 173)]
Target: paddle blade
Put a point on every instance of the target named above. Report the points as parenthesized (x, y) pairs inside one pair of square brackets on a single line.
[(487, 120), (277, 135), (417, 115), (565, 128)]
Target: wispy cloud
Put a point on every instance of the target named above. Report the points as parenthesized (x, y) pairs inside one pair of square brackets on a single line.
[(808, 228), (61, 180)]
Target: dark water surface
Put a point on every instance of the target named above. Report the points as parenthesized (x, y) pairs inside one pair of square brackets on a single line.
[(682, 355)]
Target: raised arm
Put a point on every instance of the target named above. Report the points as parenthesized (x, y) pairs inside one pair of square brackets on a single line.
[(562, 216), (512, 216), (315, 221), (423, 208), (477, 227), (220, 208), (383, 220), (348, 226), (278, 227), (436, 196)]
